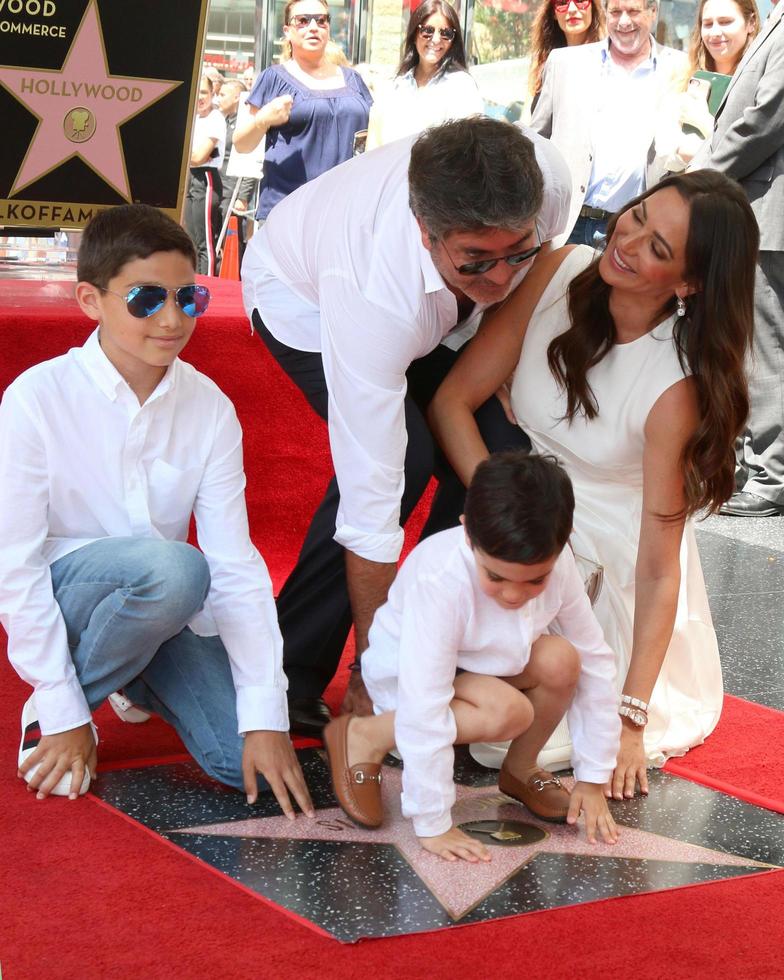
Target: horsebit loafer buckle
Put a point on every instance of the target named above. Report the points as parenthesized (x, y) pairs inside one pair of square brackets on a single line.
[(361, 777), (540, 783)]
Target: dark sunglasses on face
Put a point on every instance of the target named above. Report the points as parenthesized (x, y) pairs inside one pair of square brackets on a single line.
[(446, 33), (485, 265), (302, 21), (563, 5), (144, 301)]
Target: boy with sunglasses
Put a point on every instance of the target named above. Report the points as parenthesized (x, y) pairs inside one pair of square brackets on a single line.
[(105, 454)]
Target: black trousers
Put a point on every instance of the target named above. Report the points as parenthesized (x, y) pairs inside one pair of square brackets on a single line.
[(203, 215), (313, 606)]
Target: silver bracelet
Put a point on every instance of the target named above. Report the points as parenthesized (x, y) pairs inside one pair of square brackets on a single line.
[(634, 702), (637, 716)]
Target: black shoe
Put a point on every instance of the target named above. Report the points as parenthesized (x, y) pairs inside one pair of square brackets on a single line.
[(746, 504), (308, 716)]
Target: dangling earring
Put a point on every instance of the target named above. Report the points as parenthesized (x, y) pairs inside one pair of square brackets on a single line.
[(680, 306)]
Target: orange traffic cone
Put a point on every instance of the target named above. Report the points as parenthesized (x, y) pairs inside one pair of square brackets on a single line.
[(230, 259)]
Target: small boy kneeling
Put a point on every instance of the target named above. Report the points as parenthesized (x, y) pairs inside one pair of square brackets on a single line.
[(461, 653), (105, 453)]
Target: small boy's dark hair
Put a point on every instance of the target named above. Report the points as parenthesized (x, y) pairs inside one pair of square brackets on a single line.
[(519, 507), (119, 235)]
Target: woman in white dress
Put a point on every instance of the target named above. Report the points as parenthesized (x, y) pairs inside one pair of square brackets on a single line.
[(432, 83), (631, 372)]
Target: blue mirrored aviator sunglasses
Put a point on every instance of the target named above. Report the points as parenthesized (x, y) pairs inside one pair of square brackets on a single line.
[(144, 301)]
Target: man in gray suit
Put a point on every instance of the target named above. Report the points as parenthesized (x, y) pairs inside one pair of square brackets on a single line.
[(748, 144), (599, 103)]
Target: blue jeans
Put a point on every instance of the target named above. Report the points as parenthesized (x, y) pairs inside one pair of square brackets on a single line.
[(126, 603), (588, 231)]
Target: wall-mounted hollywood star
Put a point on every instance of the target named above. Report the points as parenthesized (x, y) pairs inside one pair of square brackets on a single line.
[(461, 887), (80, 109)]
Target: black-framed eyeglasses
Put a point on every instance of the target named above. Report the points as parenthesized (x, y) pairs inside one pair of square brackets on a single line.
[(446, 33), (144, 301), (302, 21), (485, 265)]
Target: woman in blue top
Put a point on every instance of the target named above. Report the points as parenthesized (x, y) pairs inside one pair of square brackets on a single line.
[(308, 108)]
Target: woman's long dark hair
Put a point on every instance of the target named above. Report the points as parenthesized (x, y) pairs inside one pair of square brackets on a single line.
[(712, 338), (546, 34), (454, 59)]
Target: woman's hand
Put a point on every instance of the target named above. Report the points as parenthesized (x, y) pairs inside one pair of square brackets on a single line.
[(630, 766), (275, 113), (454, 845)]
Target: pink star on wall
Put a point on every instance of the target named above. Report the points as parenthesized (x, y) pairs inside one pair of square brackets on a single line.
[(80, 109)]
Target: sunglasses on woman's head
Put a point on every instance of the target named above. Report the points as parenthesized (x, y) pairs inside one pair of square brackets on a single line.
[(562, 6), (446, 33), (144, 301), (302, 21)]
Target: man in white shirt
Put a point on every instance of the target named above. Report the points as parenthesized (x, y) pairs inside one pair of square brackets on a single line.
[(487, 635), (353, 283), (105, 453), (599, 104)]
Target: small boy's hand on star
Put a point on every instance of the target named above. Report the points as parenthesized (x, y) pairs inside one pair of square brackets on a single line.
[(454, 845), (589, 798)]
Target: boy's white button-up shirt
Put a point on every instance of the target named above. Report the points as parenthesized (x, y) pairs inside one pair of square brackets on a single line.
[(81, 460), (340, 268), (436, 620)]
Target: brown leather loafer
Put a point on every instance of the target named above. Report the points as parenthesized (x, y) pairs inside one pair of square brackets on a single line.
[(357, 788), (542, 793)]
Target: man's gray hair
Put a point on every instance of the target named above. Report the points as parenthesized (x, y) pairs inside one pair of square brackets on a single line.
[(474, 173), (650, 4)]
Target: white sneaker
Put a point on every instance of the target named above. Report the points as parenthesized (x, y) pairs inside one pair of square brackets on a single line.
[(31, 736), (126, 710)]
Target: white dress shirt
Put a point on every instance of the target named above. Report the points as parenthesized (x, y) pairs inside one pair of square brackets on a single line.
[(623, 127), (81, 460), (436, 620), (339, 268), (404, 107)]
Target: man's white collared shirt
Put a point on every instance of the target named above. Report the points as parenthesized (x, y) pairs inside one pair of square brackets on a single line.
[(80, 461), (339, 268)]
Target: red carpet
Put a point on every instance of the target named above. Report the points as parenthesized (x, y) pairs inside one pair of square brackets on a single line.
[(85, 894), (742, 757)]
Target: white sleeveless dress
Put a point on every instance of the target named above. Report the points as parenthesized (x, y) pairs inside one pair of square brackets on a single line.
[(603, 457)]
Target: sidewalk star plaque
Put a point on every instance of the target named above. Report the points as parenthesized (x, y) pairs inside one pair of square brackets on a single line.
[(98, 98)]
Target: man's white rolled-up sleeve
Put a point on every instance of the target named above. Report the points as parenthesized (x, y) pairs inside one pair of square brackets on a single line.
[(366, 351)]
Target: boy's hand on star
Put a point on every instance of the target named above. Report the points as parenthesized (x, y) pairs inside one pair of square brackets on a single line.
[(273, 755), (589, 798), (454, 845)]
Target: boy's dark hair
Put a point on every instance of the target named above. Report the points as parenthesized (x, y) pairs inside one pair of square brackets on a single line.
[(519, 507), (119, 235)]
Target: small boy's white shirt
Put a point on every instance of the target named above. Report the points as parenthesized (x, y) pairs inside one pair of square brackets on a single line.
[(81, 460), (436, 620)]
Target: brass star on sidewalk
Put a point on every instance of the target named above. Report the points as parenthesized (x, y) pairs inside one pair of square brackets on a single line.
[(80, 109), (460, 887)]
